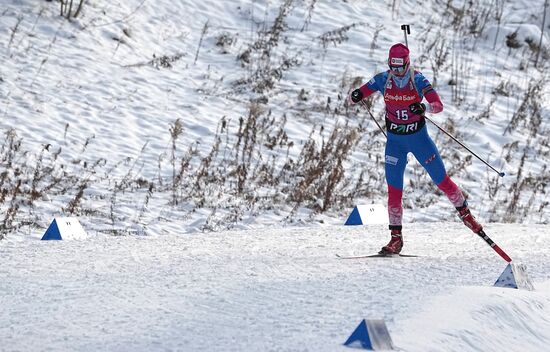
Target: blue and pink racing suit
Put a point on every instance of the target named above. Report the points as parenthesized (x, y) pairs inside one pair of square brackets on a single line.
[(407, 133)]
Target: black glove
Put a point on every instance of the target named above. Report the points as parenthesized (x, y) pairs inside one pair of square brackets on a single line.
[(356, 96), (418, 108)]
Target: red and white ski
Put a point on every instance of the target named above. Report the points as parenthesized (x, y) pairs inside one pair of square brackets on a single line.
[(494, 246)]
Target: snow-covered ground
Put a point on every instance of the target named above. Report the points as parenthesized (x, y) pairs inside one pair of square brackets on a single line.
[(95, 92), (273, 290)]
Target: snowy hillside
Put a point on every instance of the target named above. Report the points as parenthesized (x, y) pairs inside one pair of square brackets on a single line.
[(229, 114)]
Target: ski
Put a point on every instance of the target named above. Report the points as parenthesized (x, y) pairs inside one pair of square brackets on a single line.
[(377, 255), (494, 246)]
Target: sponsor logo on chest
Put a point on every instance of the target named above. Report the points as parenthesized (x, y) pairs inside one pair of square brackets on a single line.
[(404, 129), (399, 97)]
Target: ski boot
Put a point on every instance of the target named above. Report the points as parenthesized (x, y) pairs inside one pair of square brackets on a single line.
[(395, 245), (468, 219)]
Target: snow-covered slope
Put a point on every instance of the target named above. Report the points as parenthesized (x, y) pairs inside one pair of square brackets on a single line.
[(105, 92), (273, 290)]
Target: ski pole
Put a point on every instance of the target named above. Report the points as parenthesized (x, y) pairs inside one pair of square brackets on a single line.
[(494, 246), (364, 105), (500, 173), (406, 30)]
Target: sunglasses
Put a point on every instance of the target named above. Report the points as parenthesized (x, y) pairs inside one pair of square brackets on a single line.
[(398, 69)]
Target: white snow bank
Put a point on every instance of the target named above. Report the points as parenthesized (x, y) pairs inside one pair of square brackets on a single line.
[(274, 289), (480, 319)]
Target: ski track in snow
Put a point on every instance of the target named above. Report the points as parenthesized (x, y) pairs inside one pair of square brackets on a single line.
[(272, 290)]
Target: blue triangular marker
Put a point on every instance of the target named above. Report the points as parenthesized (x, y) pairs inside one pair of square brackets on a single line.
[(371, 334), (360, 337), (52, 233), (354, 218), (515, 276), (506, 279)]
